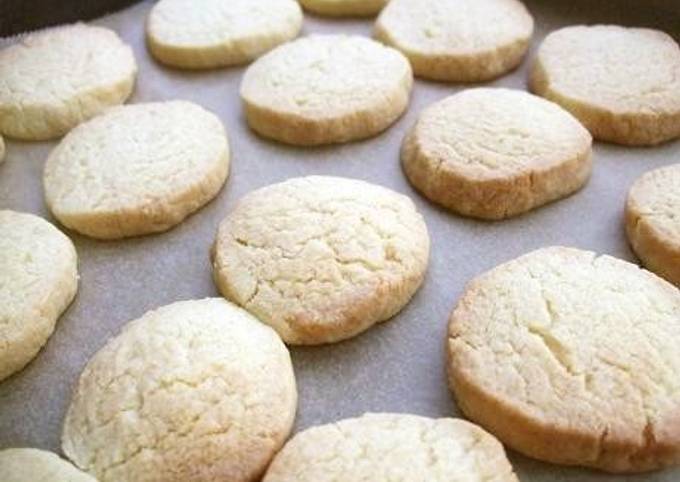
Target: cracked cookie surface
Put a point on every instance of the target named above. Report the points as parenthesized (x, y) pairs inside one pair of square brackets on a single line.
[(137, 169), (321, 259), (622, 83), (38, 280), (32, 465), (53, 80), (495, 153), (193, 391), (219, 33), (457, 40), (572, 358), (394, 448), (325, 89), (653, 221), (344, 8)]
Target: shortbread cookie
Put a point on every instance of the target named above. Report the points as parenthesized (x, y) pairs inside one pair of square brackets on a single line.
[(137, 169), (325, 89), (321, 259), (572, 359), (653, 221), (622, 83), (496, 153), (196, 390), (457, 40), (395, 448), (32, 465), (344, 8), (55, 79), (219, 33), (38, 280)]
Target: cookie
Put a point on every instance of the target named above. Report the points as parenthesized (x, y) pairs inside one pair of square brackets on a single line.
[(622, 83), (195, 390), (2, 150), (326, 89), (571, 358), (495, 153), (219, 33), (652, 222), (87, 69), (457, 40), (394, 447), (321, 259), (38, 280), (344, 8), (32, 465), (137, 169)]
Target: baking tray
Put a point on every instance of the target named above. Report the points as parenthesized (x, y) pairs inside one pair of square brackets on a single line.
[(397, 366)]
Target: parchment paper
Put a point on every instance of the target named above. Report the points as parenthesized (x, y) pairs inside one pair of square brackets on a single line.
[(397, 366)]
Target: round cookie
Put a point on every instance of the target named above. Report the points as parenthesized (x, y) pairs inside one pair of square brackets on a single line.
[(137, 169), (86, 68), (495, 153), (219, 33), (195, 390), (652, 222), (457, 40), (394, 447), (32, 465), (344, 8), (321, 259), (38, 280), (622, 83), (326, 89), (572, 359)]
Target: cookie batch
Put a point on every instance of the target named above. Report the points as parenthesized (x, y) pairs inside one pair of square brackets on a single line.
[(561, 354)]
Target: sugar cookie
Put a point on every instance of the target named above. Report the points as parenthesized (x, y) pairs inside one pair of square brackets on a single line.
[(496, 153), (33, 465), (344, 8), (195, 390), (622, 83), (321, 259), (457, 40), (326, 89), (652, 221), (38, 280), (219, 33), (394, 447), (137, 169), (572, 359), (53, 80)]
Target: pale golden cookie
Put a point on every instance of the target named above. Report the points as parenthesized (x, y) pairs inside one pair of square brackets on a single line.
[(573, 359), (622, 83), (137, 169), (457, 40), (55, 79), (344, 8), (38, 280), (496, 153), (653, 221), (32, 465), (217, 33), (326, 89), (395, 448), (321, 259), (193, 391)]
